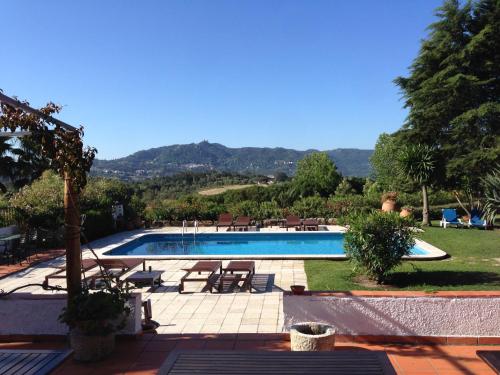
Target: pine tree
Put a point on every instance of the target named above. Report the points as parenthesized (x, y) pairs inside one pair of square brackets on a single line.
[(453, 90)]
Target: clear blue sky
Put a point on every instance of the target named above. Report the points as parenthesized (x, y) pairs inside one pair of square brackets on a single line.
[(140, 74)]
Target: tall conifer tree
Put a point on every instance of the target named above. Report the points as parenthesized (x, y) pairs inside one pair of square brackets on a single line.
[(453, 90)]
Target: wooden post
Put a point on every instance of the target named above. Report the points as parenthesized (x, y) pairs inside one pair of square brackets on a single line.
[(72, 237)]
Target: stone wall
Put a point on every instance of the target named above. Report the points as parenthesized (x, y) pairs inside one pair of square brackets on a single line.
[(36, 314), (438, 315)]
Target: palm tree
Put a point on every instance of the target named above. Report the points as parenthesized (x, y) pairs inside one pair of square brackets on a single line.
[(418, 162), (491, 185)]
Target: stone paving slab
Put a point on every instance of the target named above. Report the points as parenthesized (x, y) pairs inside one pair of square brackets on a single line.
[(194, 311)]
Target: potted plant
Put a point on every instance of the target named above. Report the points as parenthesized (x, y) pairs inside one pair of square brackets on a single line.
[(297, 290), (406, 211), (93, 319), (389, 201)]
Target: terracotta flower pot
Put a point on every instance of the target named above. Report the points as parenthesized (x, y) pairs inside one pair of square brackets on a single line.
[(389, 205), (405, 212), (297, 290)]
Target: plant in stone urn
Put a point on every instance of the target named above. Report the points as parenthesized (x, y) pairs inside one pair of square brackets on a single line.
[(93, 319)]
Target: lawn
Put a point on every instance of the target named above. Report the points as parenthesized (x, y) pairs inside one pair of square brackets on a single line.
[(222, 189), (474, 264)]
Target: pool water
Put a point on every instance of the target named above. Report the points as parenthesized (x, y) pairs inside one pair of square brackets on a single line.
[(237, 244)]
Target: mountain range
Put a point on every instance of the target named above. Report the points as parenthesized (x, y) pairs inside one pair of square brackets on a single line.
[(206, 156)]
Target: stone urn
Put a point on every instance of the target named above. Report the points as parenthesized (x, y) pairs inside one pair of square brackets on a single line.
[(310, 336), (88, 348)]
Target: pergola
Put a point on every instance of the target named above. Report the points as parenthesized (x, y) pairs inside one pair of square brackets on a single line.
[(71, 190)]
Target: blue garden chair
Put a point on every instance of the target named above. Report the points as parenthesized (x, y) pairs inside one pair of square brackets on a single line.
[(476, 220), (450, 217)]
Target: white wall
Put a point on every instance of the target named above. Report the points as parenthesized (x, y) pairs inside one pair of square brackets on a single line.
[(29, 314), (412, 316)]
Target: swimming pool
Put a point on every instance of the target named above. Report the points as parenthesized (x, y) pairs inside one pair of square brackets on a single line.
[(238, 245)]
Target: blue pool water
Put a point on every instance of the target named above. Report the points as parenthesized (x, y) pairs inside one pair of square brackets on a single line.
[(237, 244)]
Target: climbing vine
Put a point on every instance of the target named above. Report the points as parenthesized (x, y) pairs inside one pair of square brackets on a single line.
[(63, 147)]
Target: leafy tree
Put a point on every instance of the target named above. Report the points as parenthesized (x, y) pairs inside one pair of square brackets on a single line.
[(378, 241), (41, 203), (280, 176), (344, 188), (385, 165), (491, 185), (418, 163), (453, 90), (316, 174), (314, 206)]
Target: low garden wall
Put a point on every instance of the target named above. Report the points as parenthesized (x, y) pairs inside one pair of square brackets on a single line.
[(24, 314), (443, 314)]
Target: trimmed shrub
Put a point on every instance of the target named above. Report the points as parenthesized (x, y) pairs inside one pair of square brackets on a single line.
[(314, 206), (97, 224), (377, 242)]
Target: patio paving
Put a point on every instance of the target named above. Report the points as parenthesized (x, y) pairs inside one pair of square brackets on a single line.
[(195, 311)]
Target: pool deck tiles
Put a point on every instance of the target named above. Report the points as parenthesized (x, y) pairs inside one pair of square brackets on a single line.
[(195, 311)]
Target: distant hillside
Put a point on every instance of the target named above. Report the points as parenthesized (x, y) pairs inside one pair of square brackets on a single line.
[(205, 156)]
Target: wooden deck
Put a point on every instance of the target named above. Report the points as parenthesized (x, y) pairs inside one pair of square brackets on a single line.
[(262, 362), (31, 362)]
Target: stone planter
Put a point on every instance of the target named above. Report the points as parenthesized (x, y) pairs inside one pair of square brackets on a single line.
[(310, 336), (91, 348)]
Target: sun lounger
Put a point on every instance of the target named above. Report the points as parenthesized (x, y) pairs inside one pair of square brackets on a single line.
[(476, 221), (310, 224), (87, 265), (450, 217), (293, 222), (236, 271), (242, 222), (122, 265), (225, 220), (206, 266), (211, 362), (116, 268)]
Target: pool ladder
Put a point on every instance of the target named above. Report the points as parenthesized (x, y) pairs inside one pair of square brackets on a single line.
[(185, 227)]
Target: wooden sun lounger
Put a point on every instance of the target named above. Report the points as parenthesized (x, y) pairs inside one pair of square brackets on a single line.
[(242, 222), (87, 265), (236, 271), (206, 266), (124, 265), (225, 220), (310, 224), (34, 362), (215, 362), (293, 222), (116, 268)]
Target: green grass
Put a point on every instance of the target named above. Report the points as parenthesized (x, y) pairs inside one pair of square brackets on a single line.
[(474, 264)]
